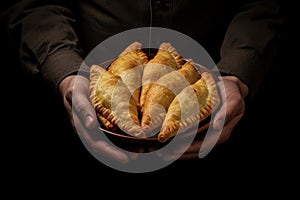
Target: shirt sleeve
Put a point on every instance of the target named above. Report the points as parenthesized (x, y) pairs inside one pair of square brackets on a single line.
[(251, 43), (44, 34)]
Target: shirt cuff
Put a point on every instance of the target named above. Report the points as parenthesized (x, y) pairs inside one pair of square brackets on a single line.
[(247, 66), (59, 65)]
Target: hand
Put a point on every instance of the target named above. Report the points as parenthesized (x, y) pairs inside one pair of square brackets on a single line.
[(75, 92), (232, 110)]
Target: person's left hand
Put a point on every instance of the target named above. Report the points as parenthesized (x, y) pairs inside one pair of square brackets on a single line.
[(232, 109), (75, 92)]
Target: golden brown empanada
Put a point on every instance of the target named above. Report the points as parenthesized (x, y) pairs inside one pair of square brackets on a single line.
[(183, 113), (166, 60), (129, 66), (163, 91), (113, 102)]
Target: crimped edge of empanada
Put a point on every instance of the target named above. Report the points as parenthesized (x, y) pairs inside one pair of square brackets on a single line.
[(188, 74), (96, 72), (212, 101), (137, 48), (166, 46), (107, 124), (104, 113)]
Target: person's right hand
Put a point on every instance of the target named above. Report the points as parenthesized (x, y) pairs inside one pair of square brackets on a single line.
[(75, 92), (232, 93)]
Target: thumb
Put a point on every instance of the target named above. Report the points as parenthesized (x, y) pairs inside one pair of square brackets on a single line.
[(85, 111), (90, 122)]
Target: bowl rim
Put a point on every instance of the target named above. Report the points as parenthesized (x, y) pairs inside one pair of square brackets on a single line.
[(202, 126)]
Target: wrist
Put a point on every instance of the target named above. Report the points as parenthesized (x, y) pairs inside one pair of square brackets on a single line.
[(242, 86), (65, 85), (59, 65)]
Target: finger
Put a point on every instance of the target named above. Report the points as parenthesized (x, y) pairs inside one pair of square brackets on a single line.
[(103, 148), (85, 110), (193, 149), (188, 156), (219, 116), (81, 102), (210, 140), (234, 106), (181, 156), (132, 155), (183, 146), (174, 152), (222, 90), (218, 120), (228, 128), (198, 147), (182, 151), (100, 147), (167, 156), (134, 152), (201, 149), (216, 137)]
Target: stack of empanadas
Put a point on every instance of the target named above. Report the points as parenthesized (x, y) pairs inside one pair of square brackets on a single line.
[(152, 97)]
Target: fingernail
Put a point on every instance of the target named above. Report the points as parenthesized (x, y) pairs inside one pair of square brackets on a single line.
[(88, 121)]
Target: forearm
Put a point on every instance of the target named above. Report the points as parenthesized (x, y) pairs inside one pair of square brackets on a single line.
[(251, 43), (46, 39)]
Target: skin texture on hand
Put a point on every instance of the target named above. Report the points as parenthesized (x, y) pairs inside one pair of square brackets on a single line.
[(82, 113), (233, 95)]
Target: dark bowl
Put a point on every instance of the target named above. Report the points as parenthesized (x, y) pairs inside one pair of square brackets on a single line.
[(131, 143)]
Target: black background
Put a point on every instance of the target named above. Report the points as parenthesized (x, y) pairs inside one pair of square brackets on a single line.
[(39, 144)]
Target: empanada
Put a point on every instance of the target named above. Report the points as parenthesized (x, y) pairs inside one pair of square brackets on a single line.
[(183, 113), (163, 91), (113, 102), (166, 60), (129, 66)]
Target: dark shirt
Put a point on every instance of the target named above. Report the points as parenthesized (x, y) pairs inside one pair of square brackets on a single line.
[(52, 38)]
